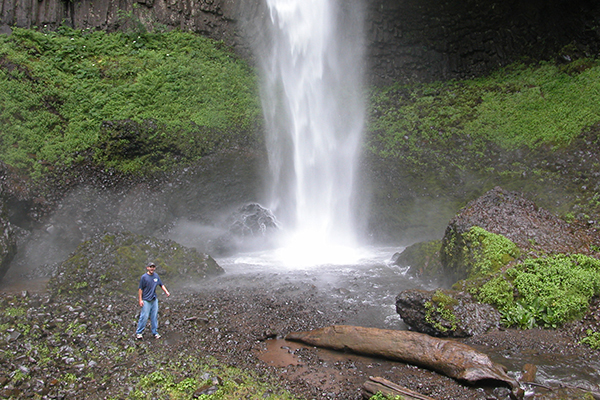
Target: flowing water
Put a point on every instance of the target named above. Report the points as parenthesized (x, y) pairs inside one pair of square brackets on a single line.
[(314, 110)]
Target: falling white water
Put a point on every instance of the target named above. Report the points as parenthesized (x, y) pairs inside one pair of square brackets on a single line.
[(312, 99)]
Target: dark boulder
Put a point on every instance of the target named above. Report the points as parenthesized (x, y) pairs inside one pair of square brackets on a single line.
[(511, 215), (445, 313), (249, 227)]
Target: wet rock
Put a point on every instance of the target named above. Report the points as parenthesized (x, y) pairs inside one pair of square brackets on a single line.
[(252, 220), (423, 258), (445, 313), (13, 335), (250, 226), (529, 372)]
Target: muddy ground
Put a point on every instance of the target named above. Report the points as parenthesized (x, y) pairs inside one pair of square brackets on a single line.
[(239, 324)]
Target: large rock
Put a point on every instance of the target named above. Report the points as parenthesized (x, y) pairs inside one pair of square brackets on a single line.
[(497, 227), (114, 263), (249, 227), (423, 258), (445, 313)]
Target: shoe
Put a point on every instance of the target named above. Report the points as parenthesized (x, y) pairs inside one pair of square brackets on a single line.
[(157, 336), (139, 336)]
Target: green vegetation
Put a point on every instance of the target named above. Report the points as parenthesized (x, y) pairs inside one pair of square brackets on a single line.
[(441, 307), (234, 383), (136, 101), (381, 396), (477, 252), (489, 251), (544, 292), (518, 106), (592, 339)]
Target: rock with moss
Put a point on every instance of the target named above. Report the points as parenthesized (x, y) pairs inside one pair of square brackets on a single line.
[(423, 258), (497, 227), (445, 313), (113, 263), (476, 252)]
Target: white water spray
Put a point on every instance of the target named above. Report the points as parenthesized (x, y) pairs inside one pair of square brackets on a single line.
[(312, 98)]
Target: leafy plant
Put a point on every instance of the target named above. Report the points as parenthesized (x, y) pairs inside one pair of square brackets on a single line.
[(592, 339), (544, 292), (441, 307)]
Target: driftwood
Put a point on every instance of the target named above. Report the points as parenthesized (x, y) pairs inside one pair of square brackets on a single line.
[(377, 384), (454, 359)]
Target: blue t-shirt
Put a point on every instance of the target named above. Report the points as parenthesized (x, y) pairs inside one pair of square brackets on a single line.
[(148, 284)]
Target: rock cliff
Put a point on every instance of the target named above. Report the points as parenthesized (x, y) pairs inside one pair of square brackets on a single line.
[(407, 39)]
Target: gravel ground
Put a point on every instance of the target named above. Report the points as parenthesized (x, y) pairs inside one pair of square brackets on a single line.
[(85, 348)]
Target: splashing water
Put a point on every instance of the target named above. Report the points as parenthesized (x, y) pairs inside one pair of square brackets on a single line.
[(312, 99)]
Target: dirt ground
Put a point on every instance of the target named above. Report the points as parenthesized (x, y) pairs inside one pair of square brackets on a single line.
[(242, 326)]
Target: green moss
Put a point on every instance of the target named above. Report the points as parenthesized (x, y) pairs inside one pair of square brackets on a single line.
[(476, 253), (489, 251), (439, 312), (518, 106)]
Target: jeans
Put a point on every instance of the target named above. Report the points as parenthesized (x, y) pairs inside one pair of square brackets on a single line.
[(149, 309)]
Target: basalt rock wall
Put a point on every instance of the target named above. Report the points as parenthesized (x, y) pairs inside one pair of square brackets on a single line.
[(419, 40)]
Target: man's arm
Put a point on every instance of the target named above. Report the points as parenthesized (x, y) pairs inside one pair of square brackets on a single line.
[(140, 298), (164, 288)]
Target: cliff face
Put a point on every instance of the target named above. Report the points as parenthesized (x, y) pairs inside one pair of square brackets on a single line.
[(446, 39), (407, 39)]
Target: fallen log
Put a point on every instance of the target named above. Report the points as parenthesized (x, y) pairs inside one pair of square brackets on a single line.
[(454, 359), (377, 384)]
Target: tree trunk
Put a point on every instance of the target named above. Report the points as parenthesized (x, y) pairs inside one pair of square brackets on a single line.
[(454, 359)]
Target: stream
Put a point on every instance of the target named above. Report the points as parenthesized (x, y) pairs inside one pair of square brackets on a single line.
[(371, 285)]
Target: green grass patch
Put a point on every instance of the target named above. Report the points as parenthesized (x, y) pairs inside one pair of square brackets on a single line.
[(59, 87), (518, 106), (234, 383)]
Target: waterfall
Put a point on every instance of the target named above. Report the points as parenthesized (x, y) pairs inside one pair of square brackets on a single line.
[(312, 98)]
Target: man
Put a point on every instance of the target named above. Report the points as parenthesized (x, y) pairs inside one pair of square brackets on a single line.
[(148, 301)]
